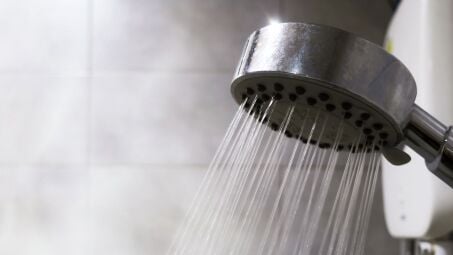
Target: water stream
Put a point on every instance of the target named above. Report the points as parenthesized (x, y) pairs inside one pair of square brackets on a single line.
[(265, 193)]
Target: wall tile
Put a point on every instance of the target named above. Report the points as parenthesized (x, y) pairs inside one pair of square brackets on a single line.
[(43, 119), (176, 114), (43, 210), (163, 35), (160, 118), (137, 210), (43, 36), (366, 18)]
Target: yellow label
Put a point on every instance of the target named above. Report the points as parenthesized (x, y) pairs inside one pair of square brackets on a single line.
[(389, 45)]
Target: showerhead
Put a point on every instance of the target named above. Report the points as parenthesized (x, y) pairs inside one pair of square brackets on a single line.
[(311, 69), (322, 69)]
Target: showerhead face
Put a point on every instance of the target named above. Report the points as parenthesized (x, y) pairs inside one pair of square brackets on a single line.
[(322, 69)]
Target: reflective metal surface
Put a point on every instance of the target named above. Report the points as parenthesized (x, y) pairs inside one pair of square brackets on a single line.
[(433, 141), (321, 58), (434, 247), (407, 247)]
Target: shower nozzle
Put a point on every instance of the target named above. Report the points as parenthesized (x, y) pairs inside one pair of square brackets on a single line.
[(308, 66)]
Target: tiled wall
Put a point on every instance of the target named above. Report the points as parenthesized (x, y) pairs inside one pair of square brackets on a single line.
[(110, 111)]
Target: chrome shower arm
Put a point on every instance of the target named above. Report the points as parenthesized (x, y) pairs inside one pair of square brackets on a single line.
[(432, 140), (425, 134)]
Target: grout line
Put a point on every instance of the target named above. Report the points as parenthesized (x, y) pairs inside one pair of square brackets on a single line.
[(160, 72), (90, 72), (84, 164), (90, 68), (105, 164), (89, 136), (41, 164), (44, 74), (89, 90)]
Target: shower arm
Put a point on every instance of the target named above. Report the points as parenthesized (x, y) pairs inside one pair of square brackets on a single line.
[(432, 140)]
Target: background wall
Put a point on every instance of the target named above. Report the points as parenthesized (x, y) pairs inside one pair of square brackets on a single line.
[(110, 111)]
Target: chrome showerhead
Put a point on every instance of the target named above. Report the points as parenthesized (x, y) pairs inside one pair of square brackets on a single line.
[(314, 67), (318, 67)]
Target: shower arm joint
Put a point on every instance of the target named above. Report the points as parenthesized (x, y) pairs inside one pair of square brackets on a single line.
[(432, 140)]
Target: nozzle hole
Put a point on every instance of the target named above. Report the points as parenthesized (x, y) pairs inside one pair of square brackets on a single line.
[(278, 96), (347, 115), (330, 107), (365, 116), (359, 123), (292, 97), (346, 105), (278, 87), (311, 101), (377, 126), (250, 91), (288, 134), (261, 87), (300, 90), (367, 131), (323, 97), (244, 96), (383, 135), (324, 146), (274, 126)]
